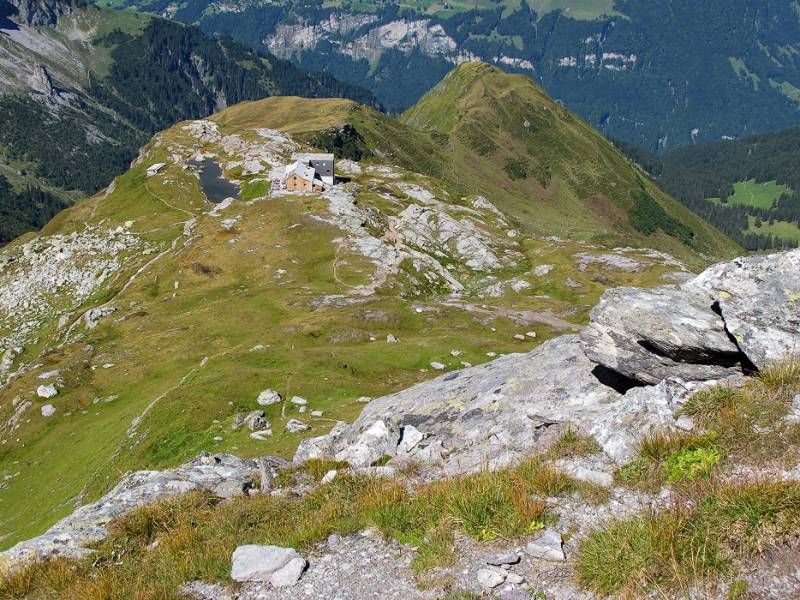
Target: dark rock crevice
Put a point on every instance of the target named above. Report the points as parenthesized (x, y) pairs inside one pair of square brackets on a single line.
[(614, 380), (747, 366)]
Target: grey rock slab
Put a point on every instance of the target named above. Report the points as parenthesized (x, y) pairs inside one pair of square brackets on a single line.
[(224, 475), (48, 410), (373, 443), (321, 447), (548, 546), (506, 558), (490, 578), (253, 562), (649, 335), (493, 414), (759, 299), (290, 573)]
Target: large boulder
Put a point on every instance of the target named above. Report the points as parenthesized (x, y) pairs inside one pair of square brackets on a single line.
[(731, 316), (649, 335), (759, 300)]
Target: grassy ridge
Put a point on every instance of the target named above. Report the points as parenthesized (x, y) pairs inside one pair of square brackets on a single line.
[(209, 324), (578, 185), (183, 336)]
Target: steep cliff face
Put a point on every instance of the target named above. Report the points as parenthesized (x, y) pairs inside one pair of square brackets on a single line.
[(39, 13)]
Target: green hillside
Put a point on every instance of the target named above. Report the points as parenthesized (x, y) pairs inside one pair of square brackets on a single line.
[(549, 169), (198, 309), (487, 132), (733, 183), (107, 81)]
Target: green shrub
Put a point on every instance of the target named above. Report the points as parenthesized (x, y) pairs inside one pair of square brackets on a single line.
[(517, 169), (689, 464)]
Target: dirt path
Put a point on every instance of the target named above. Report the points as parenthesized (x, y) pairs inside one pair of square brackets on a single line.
[(521, 317)]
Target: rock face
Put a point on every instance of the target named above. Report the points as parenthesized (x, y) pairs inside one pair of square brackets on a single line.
[(643, 355), (759, 299), (40, 13), (732, 315), (648, 335), (223, 475)]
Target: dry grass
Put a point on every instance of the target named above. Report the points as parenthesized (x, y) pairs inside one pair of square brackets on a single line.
[(571, 444), (745, 425), (703, 537), (152, 551), (712, 526)]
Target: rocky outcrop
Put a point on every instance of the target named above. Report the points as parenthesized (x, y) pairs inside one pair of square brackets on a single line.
[(39, 13), (644, 353), (730, 317), (223, 475), (648, 335)]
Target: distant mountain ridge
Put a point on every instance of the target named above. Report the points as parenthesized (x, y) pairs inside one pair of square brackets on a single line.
[(83, 88), (656, 74)]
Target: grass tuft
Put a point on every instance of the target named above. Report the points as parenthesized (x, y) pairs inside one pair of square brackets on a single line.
[(571, 444), (702, 538)]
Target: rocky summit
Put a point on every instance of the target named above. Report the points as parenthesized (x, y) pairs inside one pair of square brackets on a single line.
[(617, 383)]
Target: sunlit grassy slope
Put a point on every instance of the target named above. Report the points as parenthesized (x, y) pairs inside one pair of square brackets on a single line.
[(577, 184), (215, 315)]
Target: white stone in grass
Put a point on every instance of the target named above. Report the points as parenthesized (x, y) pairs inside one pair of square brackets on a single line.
[(519, 336), (48, 410), (299, 401), (317, 413), (491, 578), (46, 391), (268, 397), (391, 339), (328, 477), (296, 426), (254, 562), (530, 334), (438, 366)]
